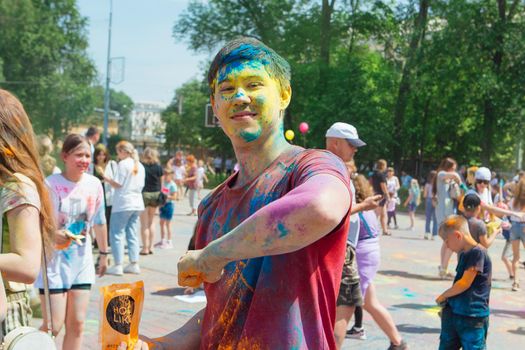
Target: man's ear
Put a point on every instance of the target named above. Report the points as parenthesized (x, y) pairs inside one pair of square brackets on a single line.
[(212, 102), (286, 96)]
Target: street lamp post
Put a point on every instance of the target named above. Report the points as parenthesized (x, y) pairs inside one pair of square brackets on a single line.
[(108, 69)]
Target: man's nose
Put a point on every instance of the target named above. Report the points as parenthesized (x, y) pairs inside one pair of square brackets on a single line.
[(240, 96)]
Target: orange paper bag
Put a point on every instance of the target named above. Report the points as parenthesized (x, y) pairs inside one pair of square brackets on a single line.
[(120, 310)]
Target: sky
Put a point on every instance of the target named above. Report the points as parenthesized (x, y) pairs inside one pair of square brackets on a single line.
[(155, 64)]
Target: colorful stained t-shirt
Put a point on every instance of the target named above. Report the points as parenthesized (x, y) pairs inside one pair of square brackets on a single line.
[(169, 189), (12, 195), (283, 301), (75, 205)]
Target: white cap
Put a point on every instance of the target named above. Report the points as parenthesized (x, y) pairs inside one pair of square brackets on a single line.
[(483, 173), (345, 131)]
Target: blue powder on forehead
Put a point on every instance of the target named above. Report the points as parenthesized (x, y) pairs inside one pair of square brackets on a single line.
[(247, 52), (245, 55), (237, 66)]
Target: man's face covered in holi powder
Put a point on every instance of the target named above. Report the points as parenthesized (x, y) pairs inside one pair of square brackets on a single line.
[(248, 102)]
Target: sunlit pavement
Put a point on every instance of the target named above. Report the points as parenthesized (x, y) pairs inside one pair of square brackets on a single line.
[(407, 285)]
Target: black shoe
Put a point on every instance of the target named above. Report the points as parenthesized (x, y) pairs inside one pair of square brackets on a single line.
[(402, 346)]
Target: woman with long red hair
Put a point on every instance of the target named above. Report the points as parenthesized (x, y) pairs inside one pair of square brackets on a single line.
[(26, 214)]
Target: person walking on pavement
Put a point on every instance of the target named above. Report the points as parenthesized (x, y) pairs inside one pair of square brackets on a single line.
[(342, 140), (445, 178), (78, 200), (379, 183), (430, 207), (93, 136), (150, 195), (26, 213), (127, 206)]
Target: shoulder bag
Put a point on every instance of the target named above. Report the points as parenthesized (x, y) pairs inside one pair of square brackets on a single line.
[(23, 338), (454, 191)]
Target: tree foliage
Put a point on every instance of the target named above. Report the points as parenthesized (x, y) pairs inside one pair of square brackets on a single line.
[(185, 127), (419, 79), (44, 61)]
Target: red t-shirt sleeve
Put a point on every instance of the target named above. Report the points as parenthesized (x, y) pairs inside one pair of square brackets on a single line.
[(316, 162)]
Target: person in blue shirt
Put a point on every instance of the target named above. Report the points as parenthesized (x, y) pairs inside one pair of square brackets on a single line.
[(465, 315)]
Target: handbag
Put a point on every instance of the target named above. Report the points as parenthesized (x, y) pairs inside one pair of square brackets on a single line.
[(162, 199), (23, 338), (454, 191)]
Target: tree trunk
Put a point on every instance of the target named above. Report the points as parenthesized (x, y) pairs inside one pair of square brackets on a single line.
[(422, 139), (405, 84), (326, 29), (489, 109)]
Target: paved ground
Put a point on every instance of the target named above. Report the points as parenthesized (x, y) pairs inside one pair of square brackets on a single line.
[(407, 284)]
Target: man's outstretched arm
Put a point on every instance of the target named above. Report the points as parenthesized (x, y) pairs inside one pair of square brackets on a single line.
[(301, 217)]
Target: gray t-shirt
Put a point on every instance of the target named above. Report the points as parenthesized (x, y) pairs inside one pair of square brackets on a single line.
[(476, 227), (445, 204), (353, 230)]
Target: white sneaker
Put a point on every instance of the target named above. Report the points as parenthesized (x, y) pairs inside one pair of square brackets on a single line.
[(115, 270), (159, 243), (132, 268), (355, 333), (166, 245)]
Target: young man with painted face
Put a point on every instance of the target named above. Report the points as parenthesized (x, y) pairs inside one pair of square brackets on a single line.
[(271, 239)]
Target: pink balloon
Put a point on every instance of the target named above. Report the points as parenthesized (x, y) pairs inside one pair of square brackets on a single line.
[(303, 128)]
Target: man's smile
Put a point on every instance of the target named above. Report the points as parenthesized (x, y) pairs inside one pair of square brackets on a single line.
[(243, 115)]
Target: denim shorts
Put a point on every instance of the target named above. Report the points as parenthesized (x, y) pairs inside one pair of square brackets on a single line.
[(457, 331), (166, 211), (517, 231)]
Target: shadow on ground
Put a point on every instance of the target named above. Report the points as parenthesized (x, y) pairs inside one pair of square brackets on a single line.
[(519, 331), (170, 292), (407, 238), (408, 275), (509, 314), (414, 306), (410, 328)]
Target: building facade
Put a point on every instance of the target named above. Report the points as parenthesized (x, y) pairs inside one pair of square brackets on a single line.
[(147, 127)]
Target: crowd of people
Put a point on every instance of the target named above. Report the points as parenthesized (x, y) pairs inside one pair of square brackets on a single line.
[(286, 248), (57, 212)]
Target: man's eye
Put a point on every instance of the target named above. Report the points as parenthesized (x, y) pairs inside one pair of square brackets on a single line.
[(255, 84), (226, 89)]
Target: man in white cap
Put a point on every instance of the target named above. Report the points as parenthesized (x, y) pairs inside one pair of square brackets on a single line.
[(342, 140), (483, 177)]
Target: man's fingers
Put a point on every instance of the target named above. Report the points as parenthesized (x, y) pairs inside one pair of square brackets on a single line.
[(102, 271), (190, 280), (377, 197)]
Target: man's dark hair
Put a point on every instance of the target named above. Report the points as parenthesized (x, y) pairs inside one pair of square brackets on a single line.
[(250, 49), (92, 131)]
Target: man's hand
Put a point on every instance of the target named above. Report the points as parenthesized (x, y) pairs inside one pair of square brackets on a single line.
[(196, 267), (102, 265), (371, 202), (139, 345), (62, 239), (440, 299)]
